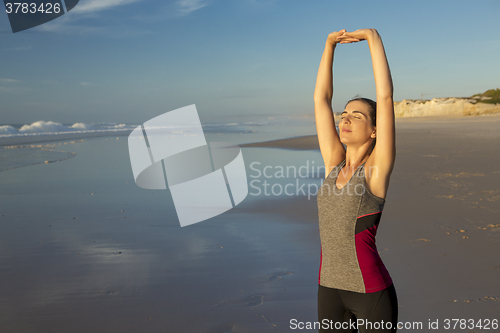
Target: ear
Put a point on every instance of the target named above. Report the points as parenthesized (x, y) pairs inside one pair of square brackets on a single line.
[(374, 134)]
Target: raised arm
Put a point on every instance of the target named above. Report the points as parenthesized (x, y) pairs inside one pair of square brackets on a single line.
[(384, 153), (332, 150)]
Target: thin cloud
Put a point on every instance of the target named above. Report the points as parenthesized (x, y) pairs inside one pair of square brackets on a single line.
[(21, 48), (186, 7), (91, 8), (9, 81)]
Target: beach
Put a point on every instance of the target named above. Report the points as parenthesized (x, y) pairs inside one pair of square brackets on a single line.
[(84, 249)]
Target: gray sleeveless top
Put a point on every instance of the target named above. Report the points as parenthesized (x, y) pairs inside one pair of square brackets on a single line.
[(348, 222)]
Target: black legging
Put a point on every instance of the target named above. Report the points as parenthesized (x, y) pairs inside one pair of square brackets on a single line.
[(338, 306)]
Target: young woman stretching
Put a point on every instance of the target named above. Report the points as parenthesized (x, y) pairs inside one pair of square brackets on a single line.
[(354, 285)]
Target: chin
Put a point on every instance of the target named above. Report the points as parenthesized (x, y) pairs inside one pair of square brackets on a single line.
[(348, 142), (345, 141)]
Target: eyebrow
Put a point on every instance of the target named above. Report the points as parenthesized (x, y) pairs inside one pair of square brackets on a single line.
[(353, 112)]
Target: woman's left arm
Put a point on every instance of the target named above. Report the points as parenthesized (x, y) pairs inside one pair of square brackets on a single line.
[(384, 153), (385, 148)]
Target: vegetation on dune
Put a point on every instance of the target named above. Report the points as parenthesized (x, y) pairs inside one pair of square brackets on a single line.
[(491, 96)]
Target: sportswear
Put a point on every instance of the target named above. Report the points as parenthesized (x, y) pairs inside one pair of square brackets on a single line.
[(348, 222), (343, 310)]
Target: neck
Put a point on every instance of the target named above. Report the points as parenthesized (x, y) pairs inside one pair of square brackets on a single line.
[(355, 156)]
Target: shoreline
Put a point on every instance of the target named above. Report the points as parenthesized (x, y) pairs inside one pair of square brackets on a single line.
[(310, 142)]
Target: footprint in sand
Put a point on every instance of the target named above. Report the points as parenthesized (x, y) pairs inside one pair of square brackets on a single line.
[(257, 300), (278, 276)]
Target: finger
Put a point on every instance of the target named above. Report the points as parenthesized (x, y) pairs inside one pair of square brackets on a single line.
[(350, 40)]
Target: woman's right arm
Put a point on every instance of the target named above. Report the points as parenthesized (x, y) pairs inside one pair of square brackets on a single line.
[(331, 148)]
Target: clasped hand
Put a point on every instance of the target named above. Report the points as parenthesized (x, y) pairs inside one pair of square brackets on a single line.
[(344, 37)]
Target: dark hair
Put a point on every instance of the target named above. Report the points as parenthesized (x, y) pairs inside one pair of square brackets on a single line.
[(372, 109)]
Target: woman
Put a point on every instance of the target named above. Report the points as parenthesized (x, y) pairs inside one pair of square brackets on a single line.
[(354, 285)]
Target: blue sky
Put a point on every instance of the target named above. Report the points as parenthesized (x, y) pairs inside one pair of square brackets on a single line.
[(131, 60)]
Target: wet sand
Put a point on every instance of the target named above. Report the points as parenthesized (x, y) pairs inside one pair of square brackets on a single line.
[(85, 250)]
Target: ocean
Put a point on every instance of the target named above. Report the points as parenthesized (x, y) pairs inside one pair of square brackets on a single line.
[(46, 141)]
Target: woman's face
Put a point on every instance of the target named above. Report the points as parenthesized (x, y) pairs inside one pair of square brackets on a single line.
[(355, 126)]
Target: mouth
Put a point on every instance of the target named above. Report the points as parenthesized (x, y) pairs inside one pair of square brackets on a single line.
[(345, 130)]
